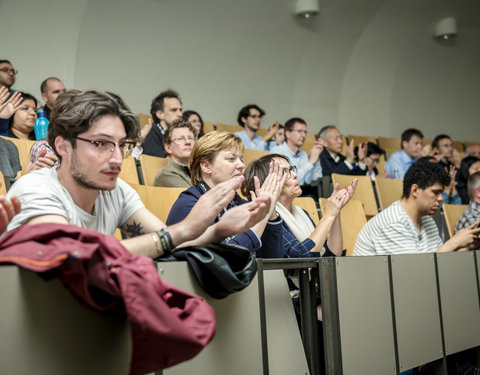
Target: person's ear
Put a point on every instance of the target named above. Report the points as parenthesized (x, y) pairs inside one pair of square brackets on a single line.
[(62, 146), (168, 148), (414, 189), (160, 115), (206, 168)]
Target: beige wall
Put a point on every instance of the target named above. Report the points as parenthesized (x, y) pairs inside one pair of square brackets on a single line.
[(371, 67)]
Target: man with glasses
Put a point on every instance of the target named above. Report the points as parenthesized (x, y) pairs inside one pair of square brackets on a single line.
[(92, 133), (250, 118), (332, 159), (179, 140), (7, 75), (308, 165)]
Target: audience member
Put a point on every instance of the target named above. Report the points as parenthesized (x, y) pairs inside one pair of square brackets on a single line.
[(331, 158), (450, 193), (23, 120), (179, 140), (278, 138), (7, 75), (9, 104), (399, 162), (89, 132), (444, 152), (300, 236), (166, 108), (308, 165), (196, 120), (472, 213), (216, 158), (250, 118), (407, 226), (468, 166), (372, 158), (10, 161), (473, 150), (50, 89)]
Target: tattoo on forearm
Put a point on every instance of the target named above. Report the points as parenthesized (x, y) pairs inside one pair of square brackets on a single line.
[(133, 229)]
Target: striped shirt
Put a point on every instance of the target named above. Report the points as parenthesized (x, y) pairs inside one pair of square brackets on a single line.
[(393, 232)]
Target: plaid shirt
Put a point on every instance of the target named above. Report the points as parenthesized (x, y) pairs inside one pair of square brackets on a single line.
[(295, 249), (471, 215)]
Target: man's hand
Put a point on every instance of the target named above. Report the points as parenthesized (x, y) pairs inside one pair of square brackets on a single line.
[(10, 106), (315, 152), (241, 218), (43, 161), (9, 207), (455, 160), (144, 132), (467, 237), (362, 152), (350, 152)]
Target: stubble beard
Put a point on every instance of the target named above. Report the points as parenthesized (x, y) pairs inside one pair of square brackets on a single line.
[(81, 179)]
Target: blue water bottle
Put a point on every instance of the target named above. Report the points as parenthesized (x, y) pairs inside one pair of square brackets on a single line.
[(41, 125)]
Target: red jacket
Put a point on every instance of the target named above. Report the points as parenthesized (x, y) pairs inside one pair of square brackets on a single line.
[(168, 325)]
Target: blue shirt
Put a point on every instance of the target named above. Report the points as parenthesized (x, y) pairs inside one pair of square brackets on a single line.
[(296, 249), (4, 127), (256, 144), (307, 172), (398, 164)]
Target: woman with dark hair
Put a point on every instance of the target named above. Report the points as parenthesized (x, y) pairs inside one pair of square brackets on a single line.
[(216, 158), (195, 120), (468, 166), (371, 159), (300, 236), (22, 122)]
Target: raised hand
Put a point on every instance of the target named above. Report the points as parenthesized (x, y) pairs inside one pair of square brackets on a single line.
[(210, 205), (241, 218), (272, 187), (9, 207), (315, 152), (362, 152), (455, 158), (339, 198), (42, 161), (351, 152), (272, 130), (10, 106)]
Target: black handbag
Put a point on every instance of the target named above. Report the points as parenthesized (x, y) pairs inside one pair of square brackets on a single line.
[(220, 269)]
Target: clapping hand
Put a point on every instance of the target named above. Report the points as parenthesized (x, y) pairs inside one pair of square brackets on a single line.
[(9, 106)]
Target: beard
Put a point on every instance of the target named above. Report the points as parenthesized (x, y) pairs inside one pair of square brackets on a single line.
[(81, 178)]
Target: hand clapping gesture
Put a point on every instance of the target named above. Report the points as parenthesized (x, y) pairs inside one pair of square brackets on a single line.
[(8, 106)]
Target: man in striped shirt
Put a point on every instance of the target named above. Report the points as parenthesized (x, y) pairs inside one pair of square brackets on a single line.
[(407, 225)]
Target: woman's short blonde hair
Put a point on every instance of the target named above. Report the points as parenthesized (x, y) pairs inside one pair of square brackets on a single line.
[(208, 146)]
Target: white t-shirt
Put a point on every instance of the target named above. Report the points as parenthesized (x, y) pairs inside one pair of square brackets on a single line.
[(393, 232), (41, 193)]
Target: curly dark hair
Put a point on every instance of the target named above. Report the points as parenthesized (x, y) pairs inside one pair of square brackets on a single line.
[(424, 173), (245, 111)]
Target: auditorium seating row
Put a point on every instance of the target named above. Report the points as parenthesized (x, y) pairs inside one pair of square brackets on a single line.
[(382, 315), (389, 144)]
